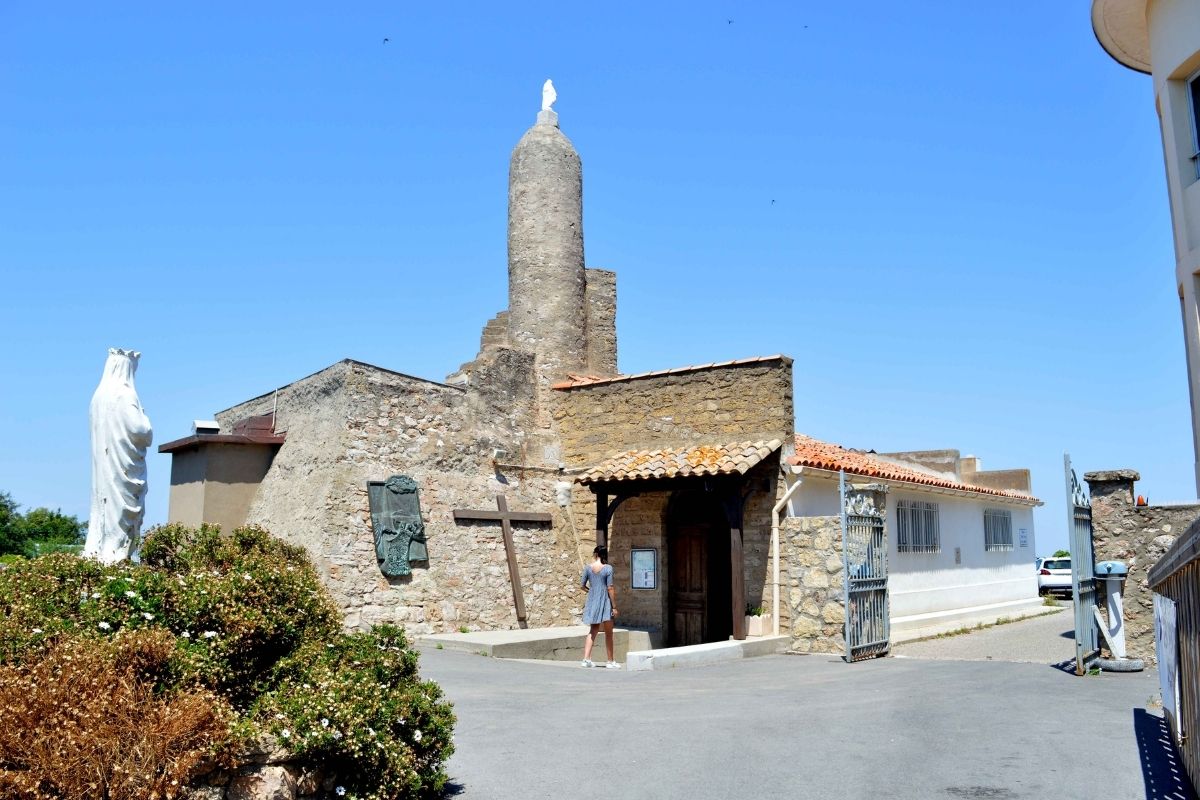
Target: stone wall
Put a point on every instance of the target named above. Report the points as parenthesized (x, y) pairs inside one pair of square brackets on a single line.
[(813, 577), (1137, 536), (266, 772), (640, 522), (353, 423), (735, 402), (600, 304)]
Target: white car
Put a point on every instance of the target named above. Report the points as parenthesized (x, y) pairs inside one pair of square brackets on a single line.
[(1054, 575)]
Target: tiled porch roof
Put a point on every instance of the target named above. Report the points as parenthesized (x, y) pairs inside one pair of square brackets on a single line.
[(814, 453), (696, 460)]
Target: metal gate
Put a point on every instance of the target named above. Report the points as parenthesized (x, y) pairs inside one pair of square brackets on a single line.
[(864, 558), (1083, 570)]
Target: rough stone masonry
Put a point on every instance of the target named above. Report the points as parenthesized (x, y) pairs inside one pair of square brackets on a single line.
[(541, 402)]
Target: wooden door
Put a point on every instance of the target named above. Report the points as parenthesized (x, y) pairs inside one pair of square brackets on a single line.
[(688, 584)]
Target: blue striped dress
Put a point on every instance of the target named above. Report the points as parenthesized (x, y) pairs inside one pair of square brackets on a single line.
[(598, 607)]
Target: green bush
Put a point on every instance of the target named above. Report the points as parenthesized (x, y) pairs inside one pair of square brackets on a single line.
[(252, 623)]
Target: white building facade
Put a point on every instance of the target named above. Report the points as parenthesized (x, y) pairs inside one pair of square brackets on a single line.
[(961, 544), (1162, 38)]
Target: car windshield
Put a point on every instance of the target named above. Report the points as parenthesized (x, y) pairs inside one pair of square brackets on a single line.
[(1056, 563)]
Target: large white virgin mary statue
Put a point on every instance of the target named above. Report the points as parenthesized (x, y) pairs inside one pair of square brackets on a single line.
[(120, 435)]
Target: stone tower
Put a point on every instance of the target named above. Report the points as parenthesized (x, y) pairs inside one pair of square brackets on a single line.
[(561, 315), (546, 282)]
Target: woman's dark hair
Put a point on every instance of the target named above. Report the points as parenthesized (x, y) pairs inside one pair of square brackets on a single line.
[(602, 553)]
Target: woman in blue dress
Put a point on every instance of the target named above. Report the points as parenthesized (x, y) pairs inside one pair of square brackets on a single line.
[(601, 605)]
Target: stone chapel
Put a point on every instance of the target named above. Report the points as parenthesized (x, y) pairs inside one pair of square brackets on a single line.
[(676, 470)]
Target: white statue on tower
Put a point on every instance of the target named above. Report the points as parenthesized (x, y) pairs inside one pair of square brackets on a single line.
[(548, 95), (120, 435)]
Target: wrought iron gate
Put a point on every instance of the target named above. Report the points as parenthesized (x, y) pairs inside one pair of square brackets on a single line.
[(1083, 570), (864, 559)]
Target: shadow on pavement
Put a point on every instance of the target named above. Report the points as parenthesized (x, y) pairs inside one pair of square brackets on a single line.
[(1162, 768)]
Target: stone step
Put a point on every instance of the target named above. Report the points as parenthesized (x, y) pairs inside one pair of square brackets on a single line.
[(696, 655), (551, 644)]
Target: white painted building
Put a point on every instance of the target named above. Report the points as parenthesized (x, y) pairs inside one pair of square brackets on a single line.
[(961, 542), (1162, 38)]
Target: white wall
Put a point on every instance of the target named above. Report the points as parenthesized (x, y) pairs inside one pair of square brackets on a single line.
[(929, 583), (1174, 31)]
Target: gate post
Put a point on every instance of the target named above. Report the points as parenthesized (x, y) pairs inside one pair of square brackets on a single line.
[(867, 629)]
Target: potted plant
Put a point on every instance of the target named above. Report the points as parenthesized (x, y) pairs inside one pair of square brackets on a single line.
[(756, 621)]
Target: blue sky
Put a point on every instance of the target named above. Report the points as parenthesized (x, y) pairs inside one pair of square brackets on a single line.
[(968, 244)]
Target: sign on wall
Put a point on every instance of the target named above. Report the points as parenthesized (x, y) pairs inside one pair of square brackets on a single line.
[(644, 565), (1023, 537)]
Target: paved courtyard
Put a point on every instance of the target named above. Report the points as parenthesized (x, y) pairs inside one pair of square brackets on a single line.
[(802, 727)]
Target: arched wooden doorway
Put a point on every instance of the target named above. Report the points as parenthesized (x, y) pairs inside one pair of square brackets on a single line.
[(699, 590)]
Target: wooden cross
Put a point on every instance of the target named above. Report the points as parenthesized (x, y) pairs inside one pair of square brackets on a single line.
[(506, 518)]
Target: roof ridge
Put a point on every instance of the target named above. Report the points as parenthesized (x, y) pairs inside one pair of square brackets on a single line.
[(576, 381)]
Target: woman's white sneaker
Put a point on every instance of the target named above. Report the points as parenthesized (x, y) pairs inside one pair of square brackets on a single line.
[(586, 663), (612, 665)]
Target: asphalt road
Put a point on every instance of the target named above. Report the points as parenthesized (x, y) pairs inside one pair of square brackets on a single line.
[(802, 727), (1047, 639)]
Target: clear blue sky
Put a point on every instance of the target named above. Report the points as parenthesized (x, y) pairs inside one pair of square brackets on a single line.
[(969, 244)]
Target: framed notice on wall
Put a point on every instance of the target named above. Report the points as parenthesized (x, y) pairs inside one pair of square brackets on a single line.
[(1023, 537), (644, 565)]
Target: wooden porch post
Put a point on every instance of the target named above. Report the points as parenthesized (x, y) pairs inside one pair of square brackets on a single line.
[(738, 582), (602, 519)]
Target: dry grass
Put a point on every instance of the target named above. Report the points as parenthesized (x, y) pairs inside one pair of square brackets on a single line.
[(86, 721)]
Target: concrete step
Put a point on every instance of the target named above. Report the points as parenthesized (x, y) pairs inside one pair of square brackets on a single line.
[(552, 644), (696, 655)]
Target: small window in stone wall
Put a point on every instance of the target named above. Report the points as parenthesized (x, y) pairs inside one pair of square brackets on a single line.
[(997, 530), (917, 527)]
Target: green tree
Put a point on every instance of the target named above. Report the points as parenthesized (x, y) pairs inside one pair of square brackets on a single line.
[(12, 536), (52, 527), (1061, 554)]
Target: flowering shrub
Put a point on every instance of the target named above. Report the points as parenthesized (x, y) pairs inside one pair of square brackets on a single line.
[(358, 706), (92, 719), (248, 625)]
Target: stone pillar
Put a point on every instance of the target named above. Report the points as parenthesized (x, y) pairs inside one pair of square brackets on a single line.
[(1138, 536), (546, 282)]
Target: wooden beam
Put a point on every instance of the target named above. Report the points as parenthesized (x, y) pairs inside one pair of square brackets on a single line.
[(737, 583), (506, 518), (463, 515), (510, 550)]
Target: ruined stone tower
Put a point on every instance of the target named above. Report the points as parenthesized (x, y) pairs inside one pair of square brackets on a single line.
[(559, 312), (546, 284)]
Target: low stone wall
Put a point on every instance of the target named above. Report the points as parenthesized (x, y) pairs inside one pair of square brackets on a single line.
[(813, 577), (266, 772), (1138, 536)]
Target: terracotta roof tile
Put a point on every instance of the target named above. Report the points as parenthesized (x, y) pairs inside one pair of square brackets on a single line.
[(814, 453), (575, 381), (682, 462)]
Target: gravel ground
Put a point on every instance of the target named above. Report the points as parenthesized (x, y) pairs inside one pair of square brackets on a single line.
[(1047, 639)]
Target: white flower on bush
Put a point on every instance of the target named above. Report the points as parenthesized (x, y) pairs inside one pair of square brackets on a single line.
[(337, 734), (95, 595), (210, 634), (186, 634), (280, 716), (324, 723), (37, 630), (417, 735), (131, 594), (285, 733), (104, 626), (147, 615), (341, 790)]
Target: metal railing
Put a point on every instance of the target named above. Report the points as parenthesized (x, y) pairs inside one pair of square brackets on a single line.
[(1176, 577)]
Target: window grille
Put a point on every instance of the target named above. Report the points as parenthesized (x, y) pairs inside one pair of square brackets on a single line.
[(997, 530), (917, 527)]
